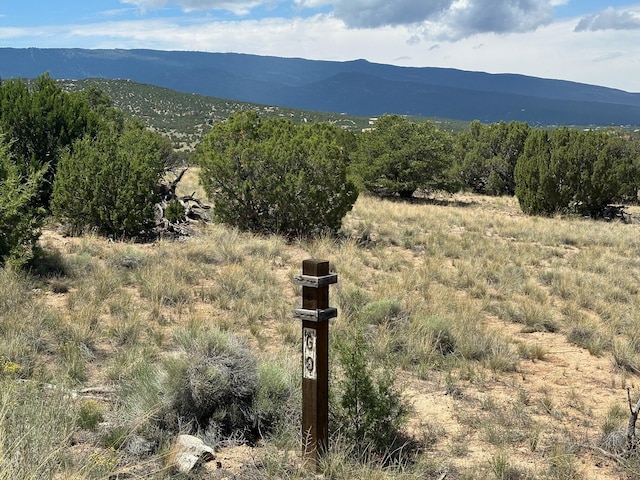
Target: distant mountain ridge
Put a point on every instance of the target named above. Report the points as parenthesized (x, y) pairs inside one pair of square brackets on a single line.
[(356, 87)]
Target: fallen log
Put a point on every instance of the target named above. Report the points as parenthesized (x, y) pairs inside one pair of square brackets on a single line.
[(175, 214)]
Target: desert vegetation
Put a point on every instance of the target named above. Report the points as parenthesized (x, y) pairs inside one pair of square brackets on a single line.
[(473, 340), (509, 338), (275, 177)]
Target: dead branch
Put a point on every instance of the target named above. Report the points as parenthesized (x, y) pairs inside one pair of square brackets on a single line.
[(99, 393), (619, 459), (631, 426), (168, 191), (194, 209)]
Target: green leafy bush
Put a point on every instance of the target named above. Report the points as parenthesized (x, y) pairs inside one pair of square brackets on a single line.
[(273, 176), (570, 171), (20, 219), (110, 183), (175, 212), (42, 121), (399, 157), (485, 156), (368, 410)]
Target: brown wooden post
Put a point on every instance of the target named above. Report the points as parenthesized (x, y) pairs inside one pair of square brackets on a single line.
[(315, 315)]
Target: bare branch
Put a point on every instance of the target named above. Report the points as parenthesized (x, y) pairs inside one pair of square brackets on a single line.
[(633, 418)]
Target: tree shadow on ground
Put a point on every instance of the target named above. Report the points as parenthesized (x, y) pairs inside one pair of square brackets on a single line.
[(438, 200)]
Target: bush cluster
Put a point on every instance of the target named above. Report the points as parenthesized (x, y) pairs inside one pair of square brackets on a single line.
[(214, 386), (20, 218), (110, 183), (42, 121), (273, 176), (571, 171), (485, 156)]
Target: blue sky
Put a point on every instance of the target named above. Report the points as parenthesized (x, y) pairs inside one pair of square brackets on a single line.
[(588, 41)]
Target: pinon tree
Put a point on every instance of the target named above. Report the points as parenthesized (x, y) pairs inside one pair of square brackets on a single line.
[(399, 156), (276, 177), (110, 183), (20, 218), (571, 171)]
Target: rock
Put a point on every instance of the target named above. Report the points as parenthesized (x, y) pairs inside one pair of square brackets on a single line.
[(139, 446), (129, 262), (188, 452)]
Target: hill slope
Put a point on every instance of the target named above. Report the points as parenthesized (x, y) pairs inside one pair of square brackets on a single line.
[(356, 87), (186, 117)]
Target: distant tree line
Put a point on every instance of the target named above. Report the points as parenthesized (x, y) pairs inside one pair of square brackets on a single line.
[(562, 170), (76, 157)]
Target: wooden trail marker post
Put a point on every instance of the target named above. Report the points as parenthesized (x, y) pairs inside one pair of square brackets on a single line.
[(315, 315)]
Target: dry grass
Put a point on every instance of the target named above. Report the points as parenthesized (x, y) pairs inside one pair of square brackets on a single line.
[(513, 336)]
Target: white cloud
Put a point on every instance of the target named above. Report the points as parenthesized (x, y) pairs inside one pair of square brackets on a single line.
[(611, 19), (377, 13), (444, 19), (499, 16)]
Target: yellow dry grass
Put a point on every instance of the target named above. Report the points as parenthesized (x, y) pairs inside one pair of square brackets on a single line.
[(541, 315)]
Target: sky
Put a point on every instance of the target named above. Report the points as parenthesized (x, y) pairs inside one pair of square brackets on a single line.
[(588, 41)]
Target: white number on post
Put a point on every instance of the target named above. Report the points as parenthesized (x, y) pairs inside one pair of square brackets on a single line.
[(309, 336)]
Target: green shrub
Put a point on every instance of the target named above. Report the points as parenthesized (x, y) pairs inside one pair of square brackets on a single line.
[(110, 183), (216, 387), (89, 415), (486, 155), (273, 176), (383, 311), (212, 386), (277, 401), (42, 121), (368, 409), (20, 220), (115, 437), (570, 171), (174, 212), (399, 157), (219, 388)]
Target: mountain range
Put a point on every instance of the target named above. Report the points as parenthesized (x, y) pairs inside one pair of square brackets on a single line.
[(355, 87)]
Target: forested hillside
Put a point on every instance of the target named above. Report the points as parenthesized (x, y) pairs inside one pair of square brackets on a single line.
[(186, 117)]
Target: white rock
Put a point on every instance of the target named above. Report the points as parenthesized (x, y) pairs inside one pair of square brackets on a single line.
[(188, 451)]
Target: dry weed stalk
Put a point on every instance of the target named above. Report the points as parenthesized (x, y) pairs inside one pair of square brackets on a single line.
[(631, 427)]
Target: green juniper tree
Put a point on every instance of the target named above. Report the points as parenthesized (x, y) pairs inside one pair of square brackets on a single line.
[(273, 176), (42, 121), (20, 218), (486, 156), (110, 183), (571, 171), (399, 157)]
